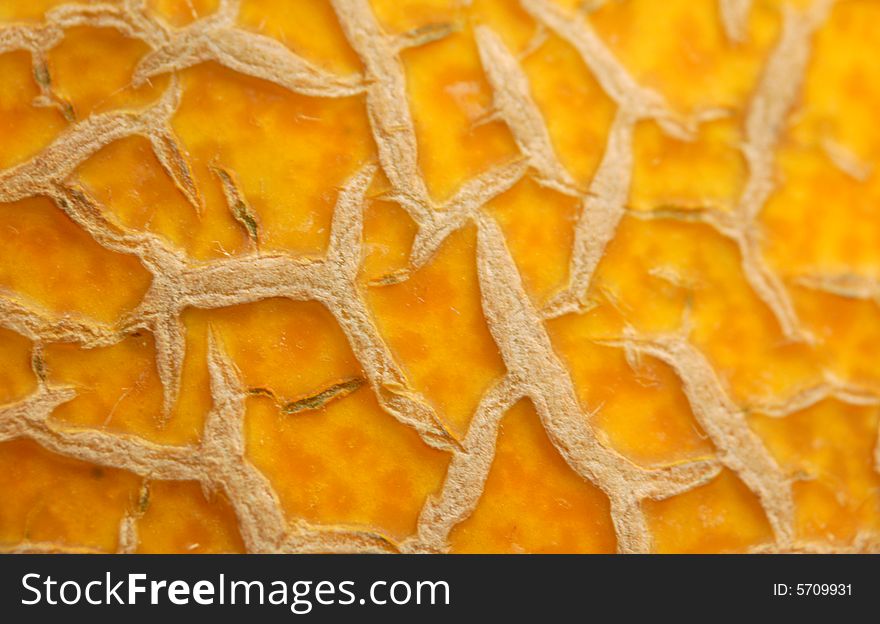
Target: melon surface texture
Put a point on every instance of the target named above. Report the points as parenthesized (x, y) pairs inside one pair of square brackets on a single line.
[(507, 276)]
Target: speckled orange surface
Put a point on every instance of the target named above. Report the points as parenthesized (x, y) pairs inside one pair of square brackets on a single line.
[(575, 276)]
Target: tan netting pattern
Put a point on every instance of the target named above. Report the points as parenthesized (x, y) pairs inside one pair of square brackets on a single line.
[(533, 368)]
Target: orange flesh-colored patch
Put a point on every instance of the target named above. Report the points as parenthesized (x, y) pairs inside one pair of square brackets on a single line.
[(180, 517), (550, 229), (427, 337), (29, 11), (720, 517), (347, 463), (828, 450), (323, 42), (388, 236), (845, 329), (399, 16), (563, 88), (182, 13), (706, 172), (508, 18), (35, 228), (282, 147), (447, 102), (145, 198), (26, 128), (641, 408), (17, 378), (109, 58), (289, 347), (118, 389), (658, 275), (695, 66), (532, 500), (810, 172), (59, 500)]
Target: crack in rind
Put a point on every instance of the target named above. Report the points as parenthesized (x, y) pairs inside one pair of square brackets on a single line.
[(525, 347), (80, 141), (738, 447), (603, 208), (179, 283), (217, 462), (830, 388), (128, 539), (395, 137), (848, 285), (638, 101), (735, 18), (515, 106), (247, 53), (237, 204), (773, 99), (30, 320), (314, 401), (37, 41)]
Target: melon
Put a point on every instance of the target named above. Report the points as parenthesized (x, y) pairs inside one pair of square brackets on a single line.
[(439, 276)]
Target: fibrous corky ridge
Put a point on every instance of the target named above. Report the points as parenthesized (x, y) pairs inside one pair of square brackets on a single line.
[(462, 276)]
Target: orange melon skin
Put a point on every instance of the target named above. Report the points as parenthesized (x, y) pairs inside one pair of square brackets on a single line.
[(500, 276)]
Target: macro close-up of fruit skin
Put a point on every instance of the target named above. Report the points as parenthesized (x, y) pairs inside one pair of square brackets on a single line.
[(439, 276)]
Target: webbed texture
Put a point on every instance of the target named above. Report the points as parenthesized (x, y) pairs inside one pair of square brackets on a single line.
[(486, 276)]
